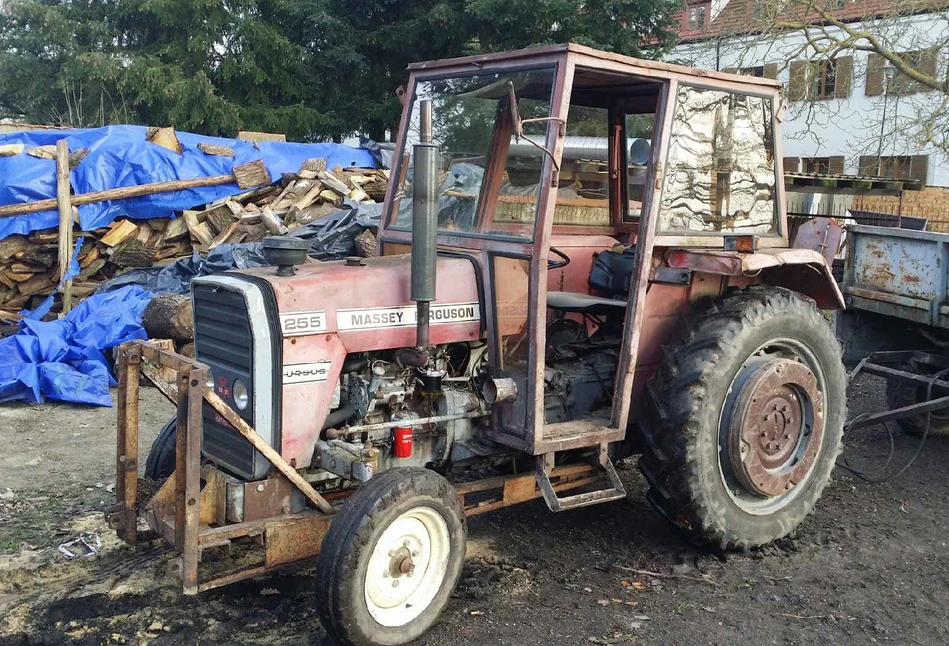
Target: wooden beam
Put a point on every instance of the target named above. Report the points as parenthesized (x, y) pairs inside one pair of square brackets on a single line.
[(247, 175), (65, 220), (268, 452)]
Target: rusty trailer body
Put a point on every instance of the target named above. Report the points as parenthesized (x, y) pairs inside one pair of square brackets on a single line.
[(531, 318), (895, 285), (898, 272)]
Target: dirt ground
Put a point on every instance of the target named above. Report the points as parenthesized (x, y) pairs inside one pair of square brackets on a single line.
[(870, 566)]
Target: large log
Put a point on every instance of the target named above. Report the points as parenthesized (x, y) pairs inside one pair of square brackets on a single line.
[(169, 316)]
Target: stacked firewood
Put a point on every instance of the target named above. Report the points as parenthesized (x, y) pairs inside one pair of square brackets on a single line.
[(29, 267)]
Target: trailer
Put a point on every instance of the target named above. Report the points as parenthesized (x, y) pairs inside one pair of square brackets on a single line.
[(897, 322)]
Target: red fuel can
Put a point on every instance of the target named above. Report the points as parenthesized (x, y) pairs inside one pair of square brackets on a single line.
[(402, 442)]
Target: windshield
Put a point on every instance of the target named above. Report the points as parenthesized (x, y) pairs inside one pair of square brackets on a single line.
[(472, 118)]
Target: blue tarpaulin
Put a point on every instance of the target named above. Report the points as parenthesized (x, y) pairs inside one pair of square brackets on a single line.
[(64, 359), (121, 156)]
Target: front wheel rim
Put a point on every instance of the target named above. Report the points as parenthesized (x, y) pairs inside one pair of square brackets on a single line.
[(771, 427), (407, 566)]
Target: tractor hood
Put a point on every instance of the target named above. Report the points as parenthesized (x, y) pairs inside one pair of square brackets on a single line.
[(368, 304)]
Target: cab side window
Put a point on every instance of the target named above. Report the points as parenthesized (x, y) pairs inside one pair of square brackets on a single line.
[(720, 175)]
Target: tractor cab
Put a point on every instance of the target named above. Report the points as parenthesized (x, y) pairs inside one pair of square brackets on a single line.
[(586, 188)]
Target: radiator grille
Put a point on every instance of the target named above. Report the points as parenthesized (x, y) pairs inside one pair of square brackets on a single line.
[(223, 341)]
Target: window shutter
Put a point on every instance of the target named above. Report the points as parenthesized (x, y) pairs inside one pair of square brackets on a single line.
[(792, 164), (928, 63), (919, 167), (875, 65), (835, 165), (797, 85), (868, 165), (771, 71), (844, 76)]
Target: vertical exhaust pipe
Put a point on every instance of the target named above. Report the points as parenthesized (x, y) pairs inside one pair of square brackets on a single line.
[(424, 222)]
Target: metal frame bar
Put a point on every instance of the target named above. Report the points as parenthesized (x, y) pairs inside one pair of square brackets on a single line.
[(180, 512), (874, 364)]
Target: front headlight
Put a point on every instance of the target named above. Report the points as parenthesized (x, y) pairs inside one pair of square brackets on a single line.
[(241, 399)]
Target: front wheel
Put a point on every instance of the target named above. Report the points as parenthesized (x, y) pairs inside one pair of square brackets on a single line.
[(161, 458), (391, 559), (748, 409)]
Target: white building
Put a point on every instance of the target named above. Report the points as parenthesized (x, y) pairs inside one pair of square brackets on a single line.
[(849, 110)]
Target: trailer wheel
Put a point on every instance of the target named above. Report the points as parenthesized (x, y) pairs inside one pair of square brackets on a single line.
[(747, 415), (900, 393), (161, 457), (391, 559)]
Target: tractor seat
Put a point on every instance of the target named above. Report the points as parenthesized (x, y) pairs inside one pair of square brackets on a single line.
[(584, 303)]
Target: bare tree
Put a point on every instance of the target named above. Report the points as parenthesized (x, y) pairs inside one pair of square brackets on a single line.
[(826, 46)]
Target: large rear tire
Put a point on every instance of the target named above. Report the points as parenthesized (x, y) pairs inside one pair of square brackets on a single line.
[(391, 559), (746, 419), (900, 393)]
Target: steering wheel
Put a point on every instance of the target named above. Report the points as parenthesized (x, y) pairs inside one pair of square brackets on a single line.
[(557, 264)]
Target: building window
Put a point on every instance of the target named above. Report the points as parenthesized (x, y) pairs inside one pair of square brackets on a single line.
[(816, 165), (768, 9), (752, 71), (831, 165), (697, 17), (884, 78), (896, 166), (821, 80)]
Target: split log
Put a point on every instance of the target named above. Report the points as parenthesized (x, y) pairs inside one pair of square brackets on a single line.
[(199, 230), (334, 182), (186, 350), (169, 316), (9, 150), (212, 149), (43, 282), (272, 222), (12, 245), (164, 137), (220, 219), (251, 174), (314, 164), (77, 156), (42, 152), (366, 244), (133, 253), (175, 230), (118, 233), (224, 236)]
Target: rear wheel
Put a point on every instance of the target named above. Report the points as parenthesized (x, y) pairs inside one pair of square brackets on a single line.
[(900, 393), (391, 559), (747, 418)]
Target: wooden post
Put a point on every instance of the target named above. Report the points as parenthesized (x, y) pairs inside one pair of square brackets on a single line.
[(65, 219), (126, 485), (192, 403)]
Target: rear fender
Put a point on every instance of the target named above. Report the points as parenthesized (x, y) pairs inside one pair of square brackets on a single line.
[(802, 270)]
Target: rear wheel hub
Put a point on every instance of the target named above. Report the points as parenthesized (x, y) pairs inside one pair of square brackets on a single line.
[(776, 427)]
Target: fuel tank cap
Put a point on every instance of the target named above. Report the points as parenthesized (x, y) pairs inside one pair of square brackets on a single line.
[(285, 253)]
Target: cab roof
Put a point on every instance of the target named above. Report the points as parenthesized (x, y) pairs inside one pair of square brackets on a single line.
[(583, 55)]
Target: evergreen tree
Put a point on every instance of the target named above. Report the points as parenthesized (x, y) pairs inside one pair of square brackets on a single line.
[(314, 69)]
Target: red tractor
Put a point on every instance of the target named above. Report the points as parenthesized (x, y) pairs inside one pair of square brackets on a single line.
[(582, 257)]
